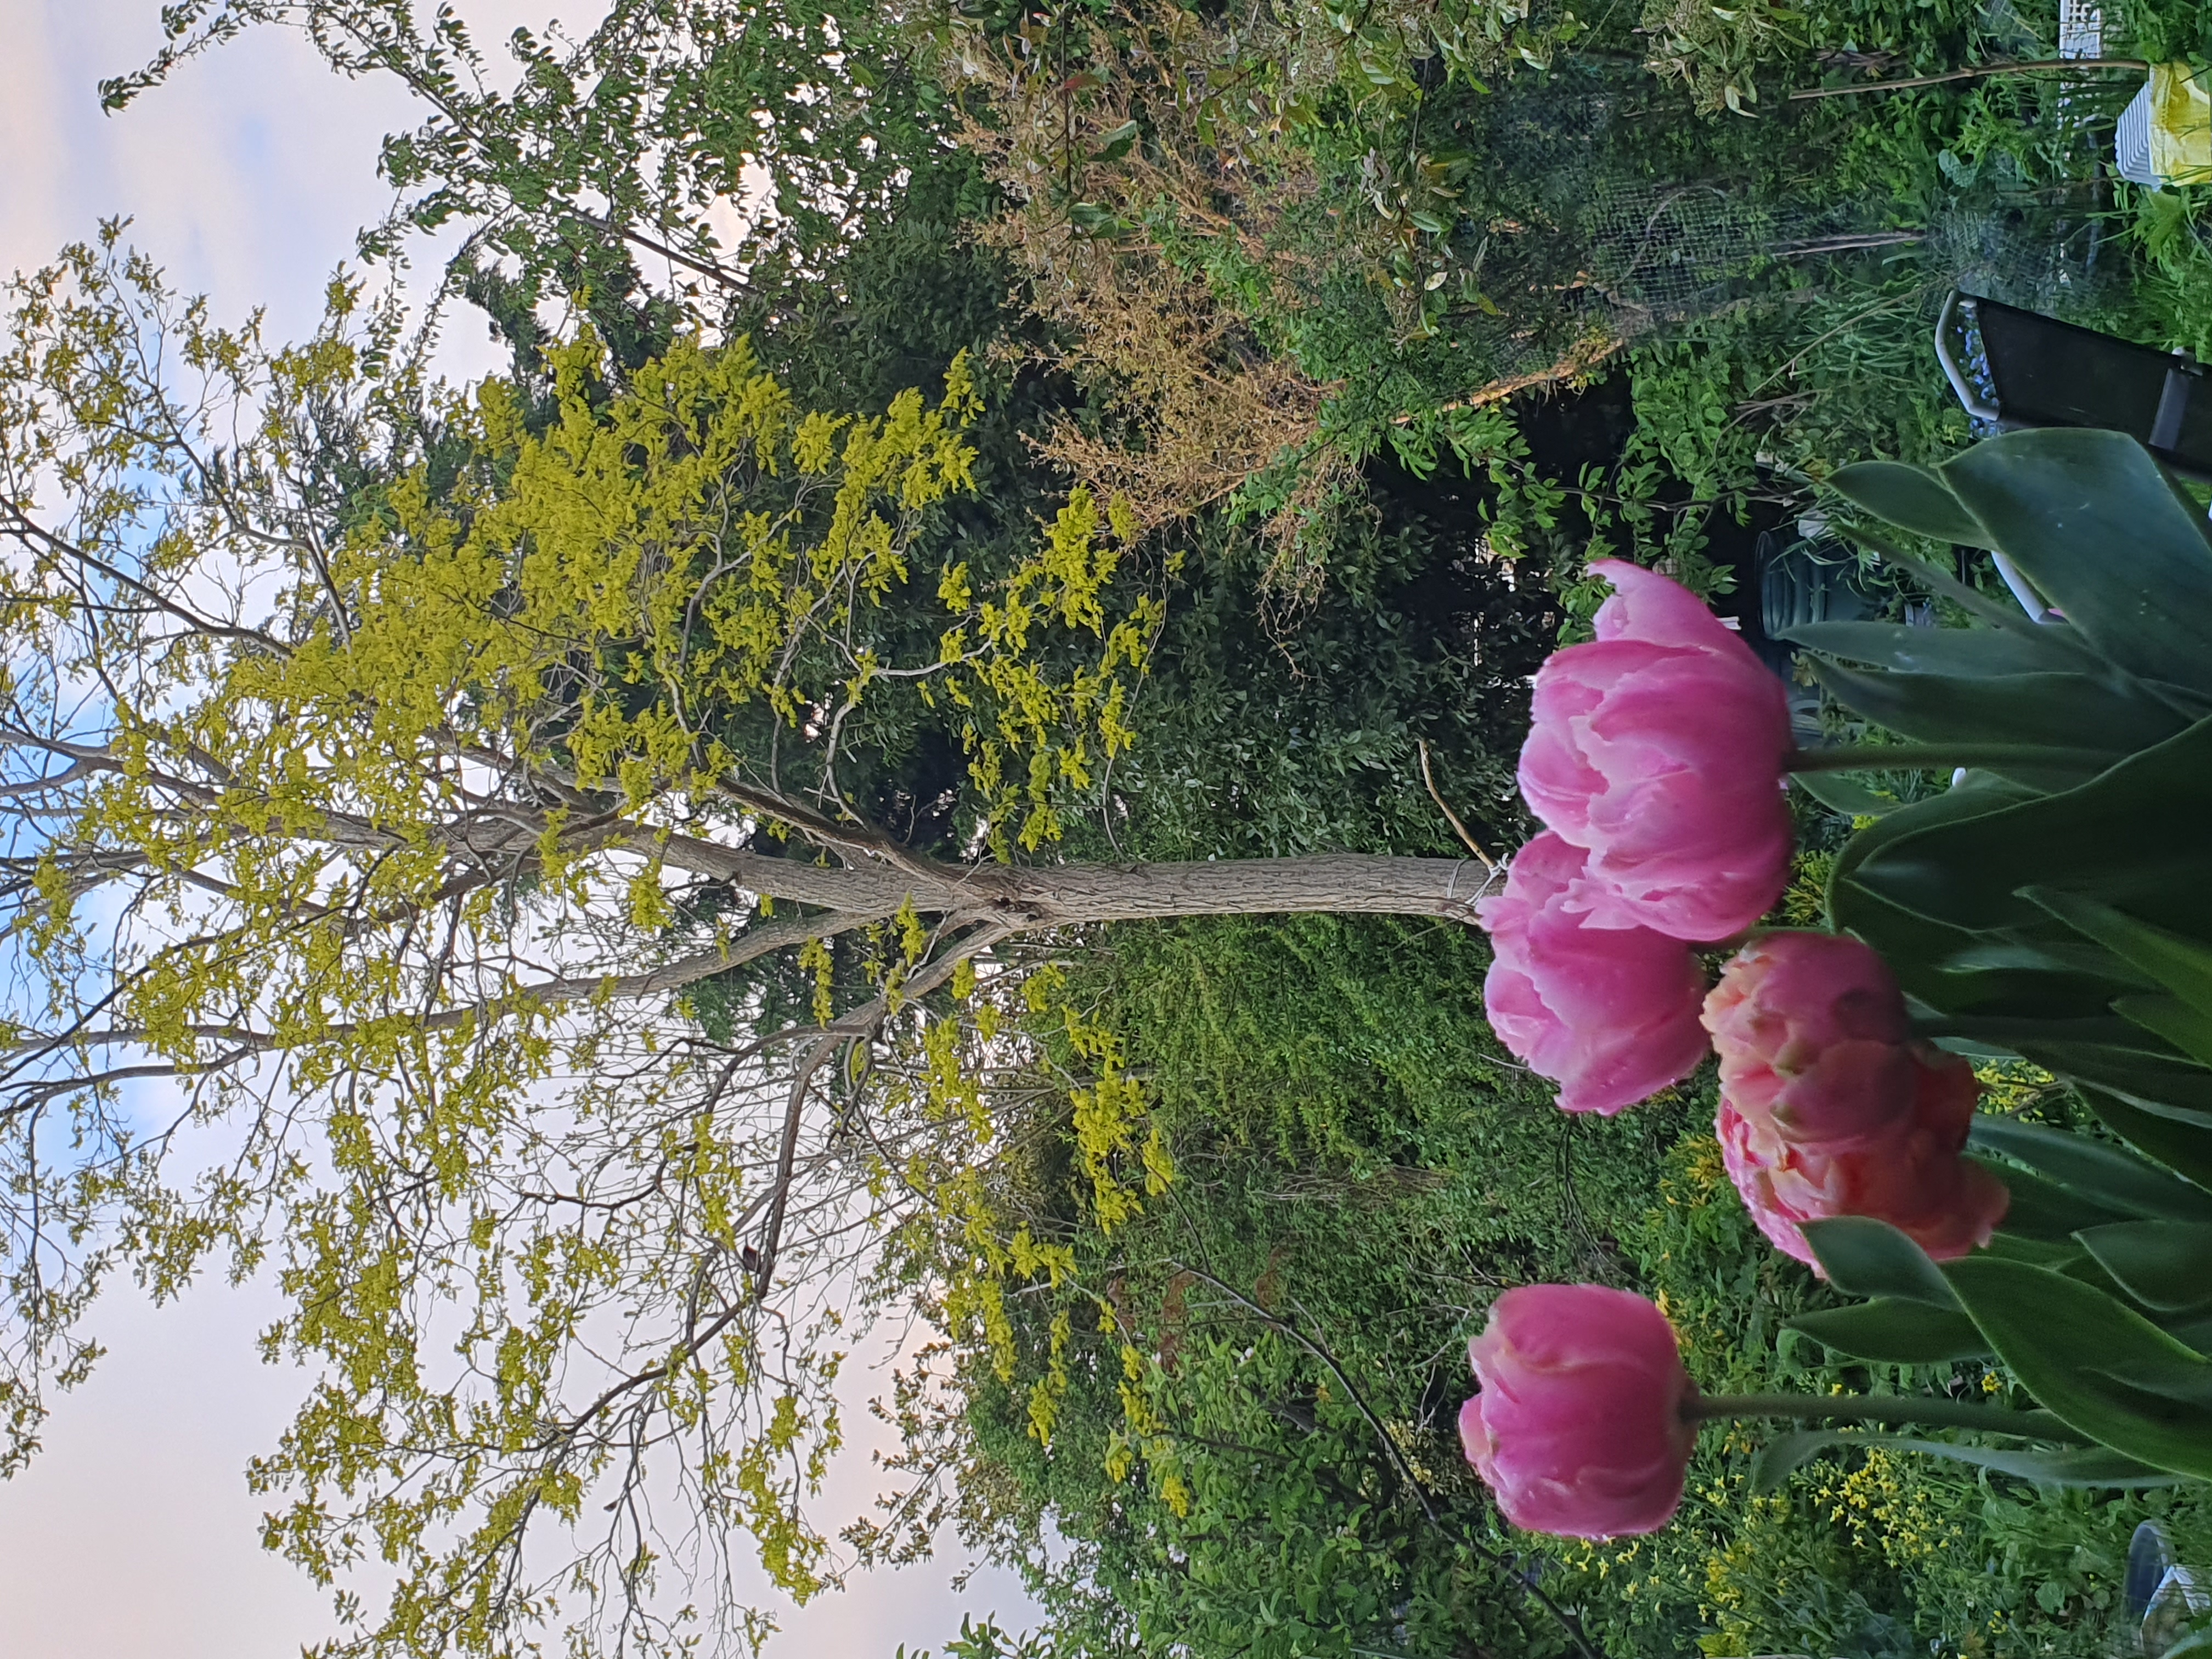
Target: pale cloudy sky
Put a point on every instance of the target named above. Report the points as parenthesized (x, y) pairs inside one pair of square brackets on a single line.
[(133, 1535)]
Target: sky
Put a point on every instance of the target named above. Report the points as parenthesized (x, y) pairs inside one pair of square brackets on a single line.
[(133, 1534)]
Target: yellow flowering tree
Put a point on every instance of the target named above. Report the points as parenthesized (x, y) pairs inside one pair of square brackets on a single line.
[(460, 813)]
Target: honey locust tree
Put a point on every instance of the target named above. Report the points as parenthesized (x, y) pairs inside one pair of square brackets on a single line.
[(442, 874)]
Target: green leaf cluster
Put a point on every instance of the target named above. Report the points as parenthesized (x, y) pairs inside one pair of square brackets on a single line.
[(2051, 905)]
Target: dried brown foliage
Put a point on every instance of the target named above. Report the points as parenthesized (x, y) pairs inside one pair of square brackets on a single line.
[(1150, 171), (1121, 156)]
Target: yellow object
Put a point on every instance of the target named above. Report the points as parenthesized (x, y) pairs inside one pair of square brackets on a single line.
[(2180, 125)]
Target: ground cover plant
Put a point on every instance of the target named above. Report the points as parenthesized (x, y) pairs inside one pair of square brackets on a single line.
[(957, 734)]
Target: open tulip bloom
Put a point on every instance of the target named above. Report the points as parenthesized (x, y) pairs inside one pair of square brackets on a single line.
[(1830, 1108), (1609, 1013), (1658, 748)]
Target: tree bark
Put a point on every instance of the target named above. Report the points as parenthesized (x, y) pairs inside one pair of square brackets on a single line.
[(1346, 882), (1050, 896)]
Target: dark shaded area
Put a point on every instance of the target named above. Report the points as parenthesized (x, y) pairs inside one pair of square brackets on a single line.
[(1568, 430), (913, 800), (1504, 618), (1747, 549)]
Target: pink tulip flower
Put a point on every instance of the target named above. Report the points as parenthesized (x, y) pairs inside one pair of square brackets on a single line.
[(1610, 1014), (1659, 747), (1829, 1108), (1579, 1429)]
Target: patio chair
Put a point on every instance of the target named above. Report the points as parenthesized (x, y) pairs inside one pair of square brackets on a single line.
[(2159, 1598), (2019, 368)]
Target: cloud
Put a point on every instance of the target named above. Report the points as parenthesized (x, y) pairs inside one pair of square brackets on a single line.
[(132, 1535), (246, 176)]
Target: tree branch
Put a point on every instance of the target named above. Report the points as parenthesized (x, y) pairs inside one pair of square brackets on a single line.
[(1974, 74), (755, 942), (864, 1018)]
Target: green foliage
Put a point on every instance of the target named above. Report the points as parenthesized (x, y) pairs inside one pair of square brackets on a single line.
[(1256, 1443), (2014, 911), (1996, 903), (1274, 727)]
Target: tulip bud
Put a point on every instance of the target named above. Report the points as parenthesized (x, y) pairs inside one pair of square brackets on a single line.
[(1579, 1429)]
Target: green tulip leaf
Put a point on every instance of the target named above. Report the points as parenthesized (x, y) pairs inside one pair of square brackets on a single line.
[(1857, 908), (2017, 953), (1955, 1044), (2166, 1085), (2181, 964), (1915, 944), (2004, 615), (1986, 796), (2079, 1352), (2186, 1027), (2130, 838), (2183, 1148), (2044, 1213), (2015, 1028), (2036, 1252), (1913, 498), (2078, 1465), (1840, 794), (2165, 1265), (1783, 1455), (1865, 1257), (2097, 526), (1951, 652), (2189, 1382), (2109, 1176), (1996, 995), (1893, 1331), (2084, 716)]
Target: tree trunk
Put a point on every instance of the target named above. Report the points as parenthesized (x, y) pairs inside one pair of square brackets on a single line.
[(1048, 895), (1346, 882)]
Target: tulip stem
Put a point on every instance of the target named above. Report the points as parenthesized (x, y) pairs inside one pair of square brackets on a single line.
[(1941, 757), (1892, 1411)]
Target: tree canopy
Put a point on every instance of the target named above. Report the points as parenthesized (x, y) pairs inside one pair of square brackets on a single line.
[(621, 144), (473, 804)]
